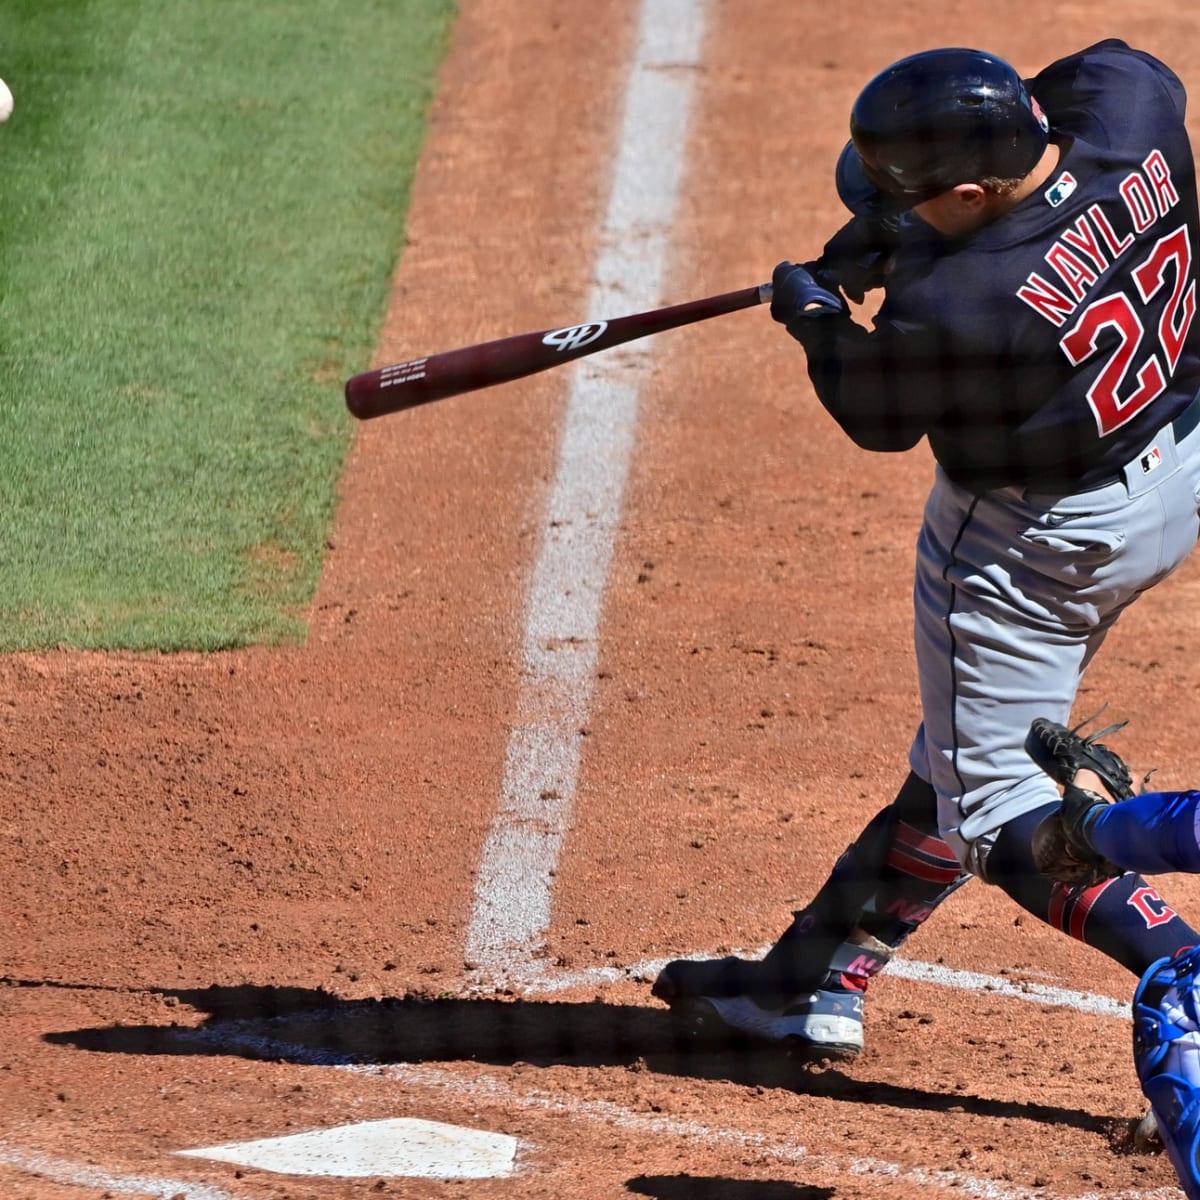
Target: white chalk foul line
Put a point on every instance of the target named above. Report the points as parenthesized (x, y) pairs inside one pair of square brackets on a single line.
[(514, 886), (72, 1174), (1032, 993)]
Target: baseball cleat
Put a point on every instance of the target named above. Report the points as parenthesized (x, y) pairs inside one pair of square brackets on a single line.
[(691, 977), (715, 999)]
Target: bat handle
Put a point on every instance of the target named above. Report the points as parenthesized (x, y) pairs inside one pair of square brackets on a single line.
[(765, 292)]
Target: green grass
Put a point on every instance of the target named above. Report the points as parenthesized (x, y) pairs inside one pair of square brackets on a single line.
[(203, 205)]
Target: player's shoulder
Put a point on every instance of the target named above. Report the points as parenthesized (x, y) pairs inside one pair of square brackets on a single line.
[(1109, 73), (1112, 52)]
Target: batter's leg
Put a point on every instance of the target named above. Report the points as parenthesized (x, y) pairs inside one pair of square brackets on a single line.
[(808, 990), (885, 886)]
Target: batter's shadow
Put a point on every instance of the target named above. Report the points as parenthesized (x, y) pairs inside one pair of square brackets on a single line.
[(721, 1187), (311, 1027)]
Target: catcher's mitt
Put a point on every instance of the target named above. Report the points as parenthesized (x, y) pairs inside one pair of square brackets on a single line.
[(1061, 847), (1062, 753)]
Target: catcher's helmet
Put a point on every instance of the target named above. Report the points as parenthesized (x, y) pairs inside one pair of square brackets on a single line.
[(945, 117)]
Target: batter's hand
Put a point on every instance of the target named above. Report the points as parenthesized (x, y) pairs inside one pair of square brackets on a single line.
[(798, 294), (857, 257)]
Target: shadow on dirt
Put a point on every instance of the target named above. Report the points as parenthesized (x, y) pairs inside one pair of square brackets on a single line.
[(309, 1026), (709, 1187)]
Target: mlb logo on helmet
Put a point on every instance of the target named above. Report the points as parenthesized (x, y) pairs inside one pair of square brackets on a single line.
[(1040, 113)]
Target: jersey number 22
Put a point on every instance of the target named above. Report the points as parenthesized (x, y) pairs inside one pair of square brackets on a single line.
[(1113, 400)]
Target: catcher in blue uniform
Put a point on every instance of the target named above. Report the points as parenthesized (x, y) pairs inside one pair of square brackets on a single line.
[(1036, 244), (1103, 829)]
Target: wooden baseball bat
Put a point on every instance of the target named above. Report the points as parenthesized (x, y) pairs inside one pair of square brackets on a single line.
[(423, 380)]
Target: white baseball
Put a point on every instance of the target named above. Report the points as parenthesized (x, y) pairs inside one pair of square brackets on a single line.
[(6, 101)]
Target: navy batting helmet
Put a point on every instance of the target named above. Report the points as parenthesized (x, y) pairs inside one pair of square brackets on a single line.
[(860, 195), (945, 117)]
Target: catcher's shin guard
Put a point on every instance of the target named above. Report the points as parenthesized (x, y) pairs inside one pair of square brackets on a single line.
[(1166, 1052)]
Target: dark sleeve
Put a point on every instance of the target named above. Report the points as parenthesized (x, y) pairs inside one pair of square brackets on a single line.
[(884, 387), (1109, 77)]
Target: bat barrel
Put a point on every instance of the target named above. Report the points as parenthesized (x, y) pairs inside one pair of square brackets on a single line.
[(435, 377)]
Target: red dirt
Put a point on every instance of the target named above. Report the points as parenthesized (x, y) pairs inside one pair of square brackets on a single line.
[(191, 840)]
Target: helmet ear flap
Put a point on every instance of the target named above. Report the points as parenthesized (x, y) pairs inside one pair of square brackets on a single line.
[(861, 192)]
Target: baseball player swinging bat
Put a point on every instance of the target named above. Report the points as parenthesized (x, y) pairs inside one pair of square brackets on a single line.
[(423, 380)]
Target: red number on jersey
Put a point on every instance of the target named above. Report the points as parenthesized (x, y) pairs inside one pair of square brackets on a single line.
[(1112, 401)]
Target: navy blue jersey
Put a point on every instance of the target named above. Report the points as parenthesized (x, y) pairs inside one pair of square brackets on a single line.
[(1047, 348)]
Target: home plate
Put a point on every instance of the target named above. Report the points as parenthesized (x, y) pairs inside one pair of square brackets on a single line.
[(401, 1146)]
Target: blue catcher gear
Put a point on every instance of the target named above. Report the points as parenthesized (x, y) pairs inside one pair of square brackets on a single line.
[(1166, 1052), (944, 117)]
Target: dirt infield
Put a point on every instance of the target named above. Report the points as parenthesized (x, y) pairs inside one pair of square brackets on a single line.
[(241, 890)]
